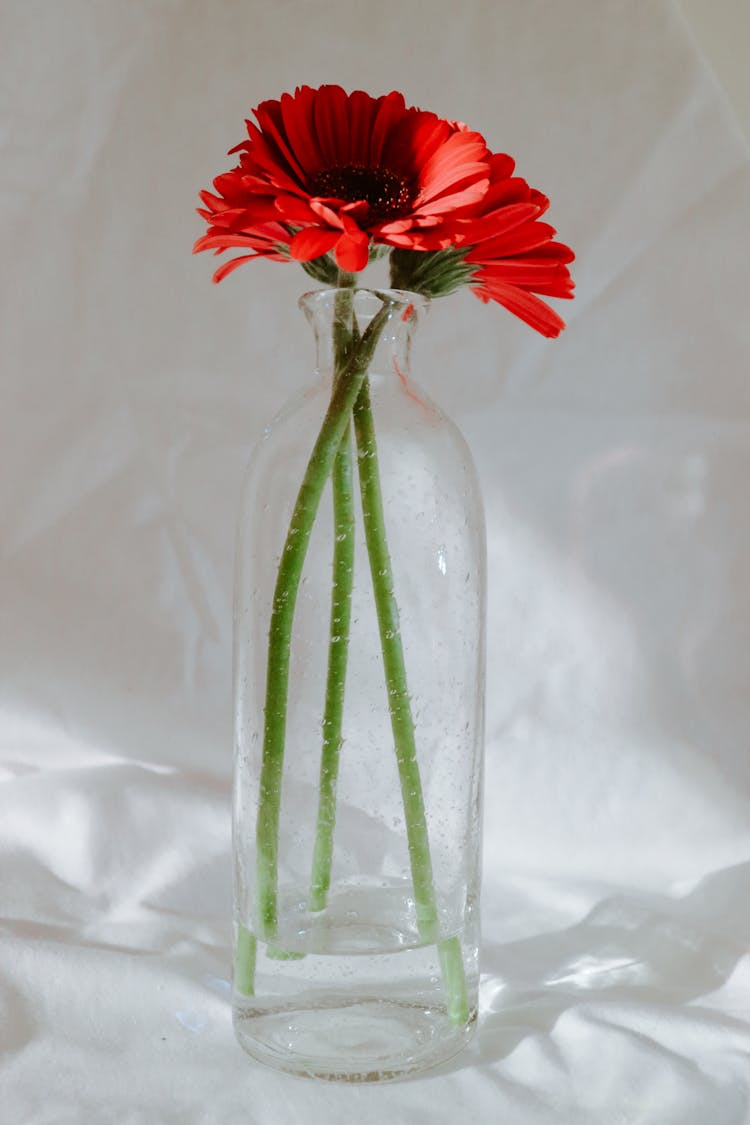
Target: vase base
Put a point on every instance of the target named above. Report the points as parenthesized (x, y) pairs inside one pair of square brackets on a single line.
[(368, 1041)]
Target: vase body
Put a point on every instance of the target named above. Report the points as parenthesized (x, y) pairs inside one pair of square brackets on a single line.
[(352, 973)]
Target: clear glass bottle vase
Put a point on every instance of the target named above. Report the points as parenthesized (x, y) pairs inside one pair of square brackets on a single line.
[(359, 684)]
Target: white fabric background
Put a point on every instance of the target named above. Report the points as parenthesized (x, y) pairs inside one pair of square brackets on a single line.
[(614, 464)]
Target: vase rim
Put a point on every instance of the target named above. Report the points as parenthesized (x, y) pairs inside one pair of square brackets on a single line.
[(400, 297)]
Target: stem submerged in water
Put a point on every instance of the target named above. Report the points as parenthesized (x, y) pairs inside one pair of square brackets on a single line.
[(338, 649)]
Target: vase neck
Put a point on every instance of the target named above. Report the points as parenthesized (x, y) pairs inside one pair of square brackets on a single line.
[(335, 313)]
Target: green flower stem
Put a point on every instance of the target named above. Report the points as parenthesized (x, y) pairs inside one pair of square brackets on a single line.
[(454, 979), (288, 579), (341, 596), (402, 722), (244, 962), (338, 650)]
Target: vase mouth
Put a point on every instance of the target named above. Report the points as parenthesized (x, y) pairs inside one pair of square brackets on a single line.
[(367, 301)]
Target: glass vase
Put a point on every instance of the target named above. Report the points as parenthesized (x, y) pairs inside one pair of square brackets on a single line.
[(359, 684)]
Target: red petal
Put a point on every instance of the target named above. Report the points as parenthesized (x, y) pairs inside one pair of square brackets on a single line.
[(557, 250), (518, 240), (502, 165), (271, 122), (525, 272), (354, 211), (295, 209), (352, 252), (297, 113), (229, 267), (461, 158), (390, 111), (523, 305), (414, 142), (512, 190), (256, 209), (417, 240), (327, 214), (395, 226), (562, 287), (265, 244), (464, 197), (483, 231), (213, 202), (214, 242), (311, 243), (265, 161), (331, 125), (362, 109)]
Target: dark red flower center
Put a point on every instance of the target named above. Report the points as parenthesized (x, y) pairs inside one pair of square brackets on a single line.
[(385, 192)]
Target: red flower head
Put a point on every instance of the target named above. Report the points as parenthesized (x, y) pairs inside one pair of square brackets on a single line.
[(325, 171), (513, 253), (501, 249), (341, 169)]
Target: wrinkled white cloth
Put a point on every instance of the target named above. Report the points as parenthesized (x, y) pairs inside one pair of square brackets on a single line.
[(614, 464)]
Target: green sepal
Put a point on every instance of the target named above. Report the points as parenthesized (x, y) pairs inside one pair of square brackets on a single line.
[(433, 273), (322, 269)]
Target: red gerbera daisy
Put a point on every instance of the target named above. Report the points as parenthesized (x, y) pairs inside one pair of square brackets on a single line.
[(498, 246), (339, 170), (512, 252)]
